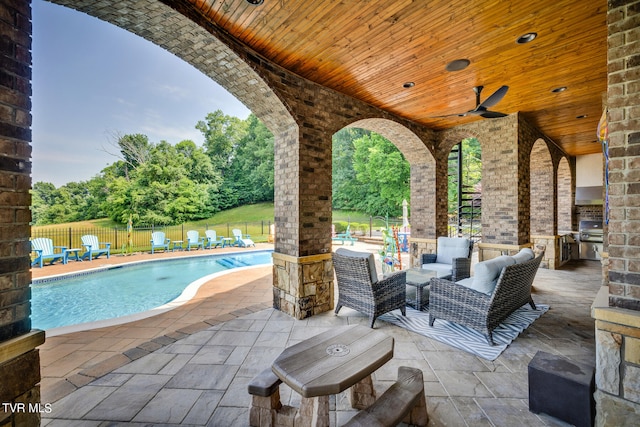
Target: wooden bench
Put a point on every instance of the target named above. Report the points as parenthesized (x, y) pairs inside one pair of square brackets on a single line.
[(403, 401)]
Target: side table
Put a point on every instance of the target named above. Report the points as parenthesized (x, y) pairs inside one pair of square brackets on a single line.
[(420, 279), (68, 255)]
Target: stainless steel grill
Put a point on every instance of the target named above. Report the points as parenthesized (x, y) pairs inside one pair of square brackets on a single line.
[(591, 239)]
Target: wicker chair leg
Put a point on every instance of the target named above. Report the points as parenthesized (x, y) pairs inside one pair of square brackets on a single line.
[(490, 338), (338, 307), (403, 310), (432, 319), (372, 320), (532, 304)]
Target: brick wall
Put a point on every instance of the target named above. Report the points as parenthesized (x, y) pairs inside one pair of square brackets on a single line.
[(15, 181), (617, 308), (19, 360), (624, 150)]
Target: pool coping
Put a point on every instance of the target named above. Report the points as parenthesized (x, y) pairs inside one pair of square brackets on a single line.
[(185, 296)]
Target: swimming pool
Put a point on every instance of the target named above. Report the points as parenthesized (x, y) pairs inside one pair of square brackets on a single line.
[(123, 290)]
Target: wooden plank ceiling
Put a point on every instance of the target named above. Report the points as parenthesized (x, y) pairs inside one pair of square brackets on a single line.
[(369, 48)]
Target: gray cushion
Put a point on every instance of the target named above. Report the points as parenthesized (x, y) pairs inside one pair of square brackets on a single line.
[(451, 247), (524, 255), (440, 269), (365, 255), (485, 273)]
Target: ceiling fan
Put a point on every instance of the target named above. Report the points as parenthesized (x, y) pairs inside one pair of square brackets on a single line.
[(482, 107)]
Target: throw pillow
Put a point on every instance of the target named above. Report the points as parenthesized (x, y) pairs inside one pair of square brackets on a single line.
[(486, 273), (524, 255)]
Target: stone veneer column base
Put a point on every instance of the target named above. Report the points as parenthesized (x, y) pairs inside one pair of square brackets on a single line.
[(419, 246), (302, 286), (20, 373), (617, 363), (552, 250)]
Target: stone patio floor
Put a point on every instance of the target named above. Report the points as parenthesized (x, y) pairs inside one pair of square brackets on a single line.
[(191, 365)]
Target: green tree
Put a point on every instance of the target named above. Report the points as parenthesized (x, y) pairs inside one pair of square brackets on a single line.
[(385, 173), (346, 189), (221, 136), (251, 171)]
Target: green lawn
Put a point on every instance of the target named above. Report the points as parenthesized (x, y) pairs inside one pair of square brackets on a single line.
[(251, 219)]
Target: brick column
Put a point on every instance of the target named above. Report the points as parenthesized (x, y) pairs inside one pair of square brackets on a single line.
[(302, 267), (617, 310), (19, 360)]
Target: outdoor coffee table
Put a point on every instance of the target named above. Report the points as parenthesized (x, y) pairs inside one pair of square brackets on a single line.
[(419, 278), (330, 363)]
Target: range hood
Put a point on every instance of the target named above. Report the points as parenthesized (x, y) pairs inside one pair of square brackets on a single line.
[(589, 195)]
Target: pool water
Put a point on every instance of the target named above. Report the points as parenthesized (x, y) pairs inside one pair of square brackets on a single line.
[(127, 289)]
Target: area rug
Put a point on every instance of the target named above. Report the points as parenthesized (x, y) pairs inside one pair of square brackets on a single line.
[(464, 338)]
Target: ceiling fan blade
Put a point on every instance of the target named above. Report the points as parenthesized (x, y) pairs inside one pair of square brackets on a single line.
[(449, 115), (492, 114), (494, 98)]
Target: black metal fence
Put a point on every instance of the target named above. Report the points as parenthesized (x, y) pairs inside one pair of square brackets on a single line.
[(140, 237)]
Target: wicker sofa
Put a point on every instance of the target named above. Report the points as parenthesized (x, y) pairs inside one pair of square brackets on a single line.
[(360, 289), (484, 309)]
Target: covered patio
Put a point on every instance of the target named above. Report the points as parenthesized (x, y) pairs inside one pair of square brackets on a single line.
[(404, 70), (152, 380)]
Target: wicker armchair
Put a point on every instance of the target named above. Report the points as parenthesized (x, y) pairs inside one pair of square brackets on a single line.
[(452, 260), (360, 289), (477, 310)]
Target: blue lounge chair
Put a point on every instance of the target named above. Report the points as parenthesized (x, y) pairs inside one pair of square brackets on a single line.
[(242, 241), (212, 241), (92, 247), (44, 249), (159, 241), (193, 239)]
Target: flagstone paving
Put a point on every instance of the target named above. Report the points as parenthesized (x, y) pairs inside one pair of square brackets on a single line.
[(175, 372)]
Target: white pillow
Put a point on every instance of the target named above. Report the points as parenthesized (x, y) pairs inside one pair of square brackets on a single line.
[(451, 247), (485, 273), (365, 255), (524, 255)]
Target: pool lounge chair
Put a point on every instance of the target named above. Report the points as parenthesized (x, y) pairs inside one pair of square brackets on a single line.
[(159, 241), (193, 239), (45, 251), (242, 241), (92, 247), (211, 239)]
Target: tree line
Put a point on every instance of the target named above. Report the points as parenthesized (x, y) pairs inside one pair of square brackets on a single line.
[(163, 184)]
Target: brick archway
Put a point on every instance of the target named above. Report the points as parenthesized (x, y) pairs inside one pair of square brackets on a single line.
[(565, 197), (176, 33), (423, 178), (542, 219)]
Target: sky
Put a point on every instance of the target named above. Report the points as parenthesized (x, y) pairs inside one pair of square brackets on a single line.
[(93, 80)]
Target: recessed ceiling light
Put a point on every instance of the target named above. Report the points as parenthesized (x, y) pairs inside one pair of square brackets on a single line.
[(457, 65), (559, 89), (581, 116), (526, 38), (255, 2), (407, 85)]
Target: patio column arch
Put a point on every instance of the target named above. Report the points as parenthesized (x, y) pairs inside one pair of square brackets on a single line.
[(565, 199), (542, 218), (450, 140), (423, 180), (188, 40)]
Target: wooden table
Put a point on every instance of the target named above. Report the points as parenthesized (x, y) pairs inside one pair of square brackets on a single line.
[(330, 363), (419, 278)]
